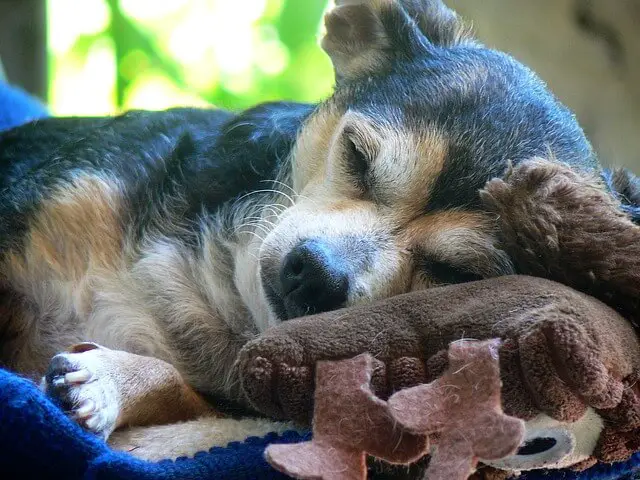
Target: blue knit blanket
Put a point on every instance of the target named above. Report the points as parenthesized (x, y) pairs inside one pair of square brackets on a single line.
[(37, 441)]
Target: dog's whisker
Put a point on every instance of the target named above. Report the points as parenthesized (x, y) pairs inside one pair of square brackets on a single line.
[(295, 194), (280, 205), (262, 219), (256, 221), (239, 227), (268, 190), (261, 227), (271, 212), (293, 191), (254, 225), (254, 234), (276, 208)]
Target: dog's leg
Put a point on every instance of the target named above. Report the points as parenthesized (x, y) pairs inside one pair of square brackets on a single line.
[(103, 389), (159, 442)]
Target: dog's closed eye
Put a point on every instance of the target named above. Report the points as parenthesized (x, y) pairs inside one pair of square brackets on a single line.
[(358, 163), (443, 272), (358, 160)]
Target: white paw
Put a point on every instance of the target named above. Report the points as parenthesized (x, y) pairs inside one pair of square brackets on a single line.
[(82, 384)]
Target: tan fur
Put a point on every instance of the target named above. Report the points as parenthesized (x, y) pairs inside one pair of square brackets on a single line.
[(405, 164), (406, 184), (161, 442), (313, 143), (77, 230), (463, 239)]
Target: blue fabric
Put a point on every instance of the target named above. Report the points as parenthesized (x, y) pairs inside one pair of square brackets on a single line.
[(628, 470), (38, 441), (18, 107)]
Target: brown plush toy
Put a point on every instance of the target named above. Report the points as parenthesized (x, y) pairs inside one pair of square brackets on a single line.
[(569, 364)]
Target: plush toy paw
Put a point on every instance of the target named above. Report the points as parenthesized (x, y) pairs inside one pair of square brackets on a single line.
[(560, 224), (564, 370), (564, 363)]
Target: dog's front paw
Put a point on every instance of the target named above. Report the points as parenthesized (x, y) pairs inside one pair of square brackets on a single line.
[(82, 383)]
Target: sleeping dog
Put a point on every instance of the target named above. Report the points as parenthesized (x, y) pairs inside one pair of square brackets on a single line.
[(158, 243)]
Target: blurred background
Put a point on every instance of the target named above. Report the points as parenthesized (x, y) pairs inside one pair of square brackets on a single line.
[(97, 57)]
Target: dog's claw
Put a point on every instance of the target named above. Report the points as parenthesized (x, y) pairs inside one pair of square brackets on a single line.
[(85, 409), (93, 424), (81, 384), (81, 376), (58, 381)]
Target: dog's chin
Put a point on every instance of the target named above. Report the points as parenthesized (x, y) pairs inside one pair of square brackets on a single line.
[(276, 302), (283, 309)]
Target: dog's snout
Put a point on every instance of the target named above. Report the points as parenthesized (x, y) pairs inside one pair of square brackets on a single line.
[(313, 279)]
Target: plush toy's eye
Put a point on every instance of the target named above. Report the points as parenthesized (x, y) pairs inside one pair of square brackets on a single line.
[(358, 164)]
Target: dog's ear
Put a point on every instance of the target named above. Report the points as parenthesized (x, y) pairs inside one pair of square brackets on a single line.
[(626, 187), (356, 38), (363, 36), (438, 23)]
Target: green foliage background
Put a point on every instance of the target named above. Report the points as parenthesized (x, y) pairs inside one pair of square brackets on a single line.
[(111, 55)]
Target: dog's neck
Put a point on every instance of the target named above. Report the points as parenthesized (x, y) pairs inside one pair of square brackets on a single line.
[(234, 236)]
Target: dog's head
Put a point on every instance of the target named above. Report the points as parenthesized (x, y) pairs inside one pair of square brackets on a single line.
[(387, 171)]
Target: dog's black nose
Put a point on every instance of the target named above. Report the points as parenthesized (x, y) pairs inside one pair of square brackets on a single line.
[(313, 279)]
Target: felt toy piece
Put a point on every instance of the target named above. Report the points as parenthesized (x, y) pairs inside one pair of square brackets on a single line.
[(349, 420), (462, 408)]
